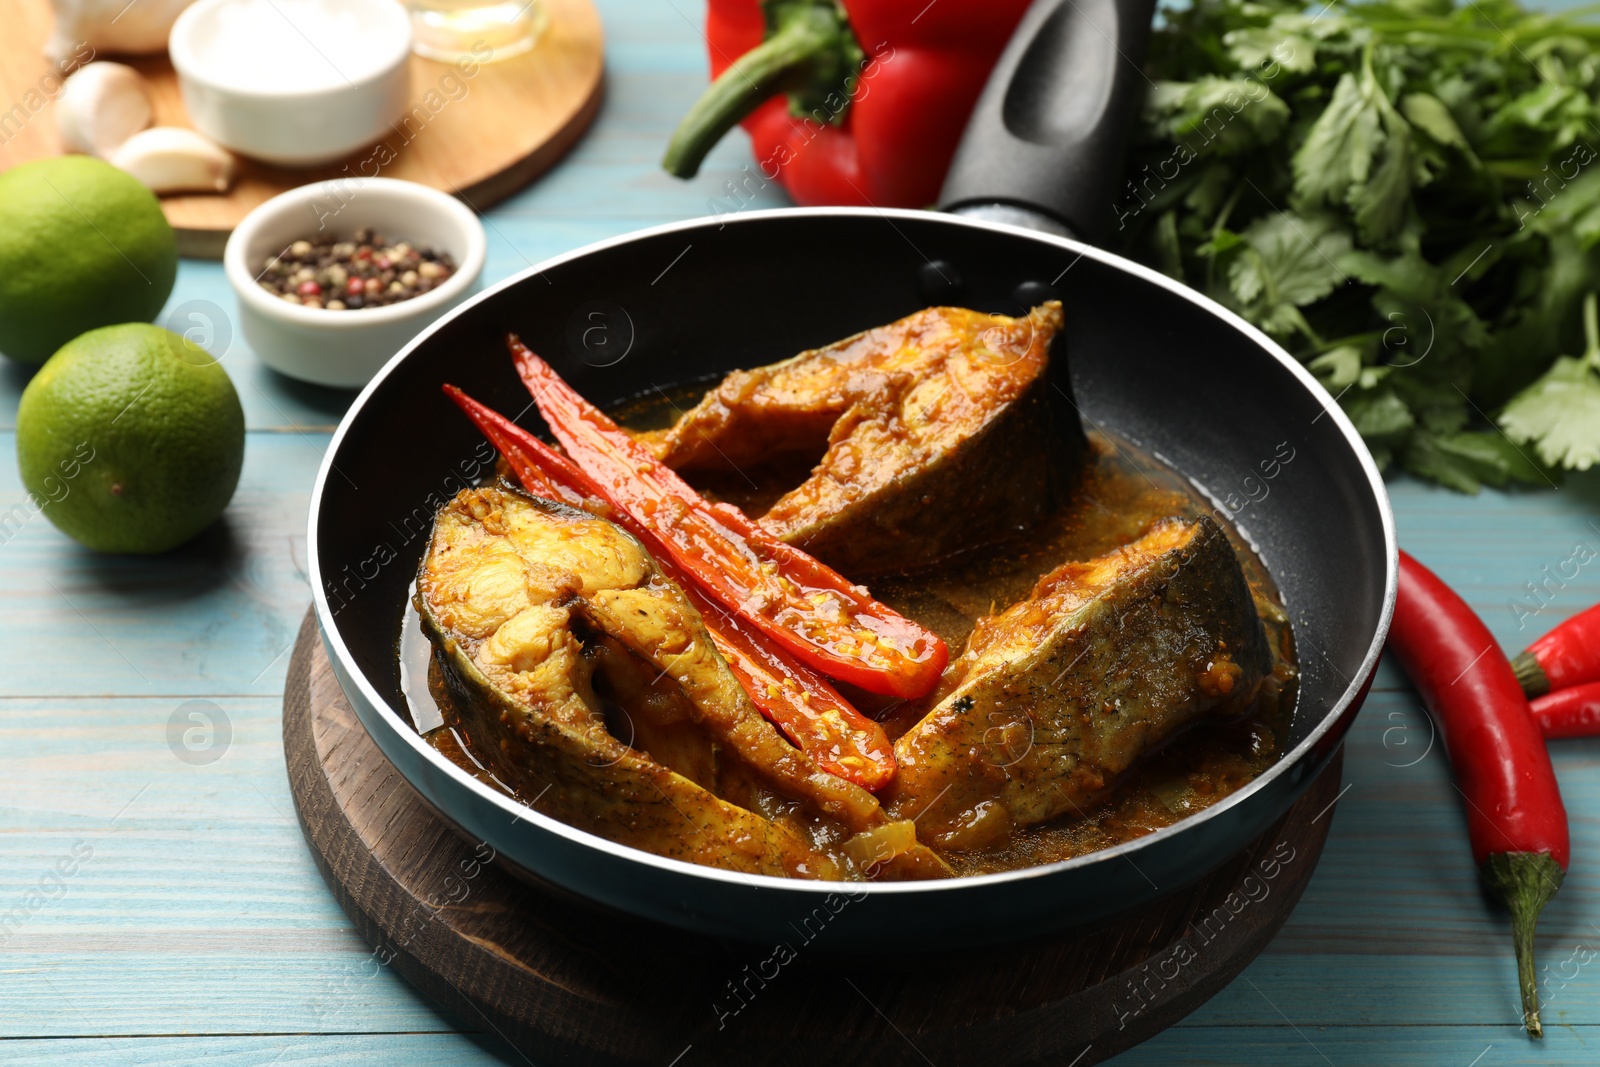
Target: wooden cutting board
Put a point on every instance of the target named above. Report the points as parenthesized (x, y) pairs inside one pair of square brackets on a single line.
[(564, 983), (481, 138)]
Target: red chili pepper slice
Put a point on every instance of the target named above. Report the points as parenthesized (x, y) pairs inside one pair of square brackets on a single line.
[(804, 606), (797, 700), (542, 470), (1567, 655), (1515, 817)]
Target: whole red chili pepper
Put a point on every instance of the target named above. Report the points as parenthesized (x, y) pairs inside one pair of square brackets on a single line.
[(1571, 712), (860, 102), (1515, 817), (1567, 655)]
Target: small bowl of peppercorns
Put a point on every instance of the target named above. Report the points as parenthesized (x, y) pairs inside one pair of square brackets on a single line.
[(335, 277)]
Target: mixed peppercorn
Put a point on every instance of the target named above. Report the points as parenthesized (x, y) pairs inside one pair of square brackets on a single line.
[(365, 271)]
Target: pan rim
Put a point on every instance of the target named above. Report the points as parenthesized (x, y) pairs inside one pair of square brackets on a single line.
[(514, 809)]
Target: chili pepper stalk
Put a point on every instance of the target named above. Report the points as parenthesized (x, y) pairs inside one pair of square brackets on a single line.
[(1515, 817), (810, 54), (1525, 882)]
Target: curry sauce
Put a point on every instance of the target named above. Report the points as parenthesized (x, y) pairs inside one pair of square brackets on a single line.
[(1121, 495)]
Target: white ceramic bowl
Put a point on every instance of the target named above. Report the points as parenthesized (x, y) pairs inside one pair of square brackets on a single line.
[(353, 88), (345, 348)]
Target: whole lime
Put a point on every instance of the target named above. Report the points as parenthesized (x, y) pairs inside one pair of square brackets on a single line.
[(130, 439), (81, 245)]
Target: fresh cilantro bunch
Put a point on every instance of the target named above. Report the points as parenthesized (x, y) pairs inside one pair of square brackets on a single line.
[(1406, 195)]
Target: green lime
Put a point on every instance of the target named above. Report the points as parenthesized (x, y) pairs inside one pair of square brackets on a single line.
[(81, 245), (130, 439)]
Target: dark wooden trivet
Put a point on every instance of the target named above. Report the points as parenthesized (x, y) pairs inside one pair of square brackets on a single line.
[(563, 983)]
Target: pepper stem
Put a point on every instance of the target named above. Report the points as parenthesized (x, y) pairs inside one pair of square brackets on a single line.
[(1531, 676), (1591, 332), (810, 53), (1524, 882)]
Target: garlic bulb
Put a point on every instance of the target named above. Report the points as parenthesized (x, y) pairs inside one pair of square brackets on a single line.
[(101, 105), (171, 159), (111, 26)]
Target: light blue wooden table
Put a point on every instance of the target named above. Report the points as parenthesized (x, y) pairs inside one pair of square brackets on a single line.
[(193, 927)]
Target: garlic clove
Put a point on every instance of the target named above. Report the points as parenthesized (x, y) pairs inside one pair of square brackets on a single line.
[(172, 159), (90, 26), (100, 106)]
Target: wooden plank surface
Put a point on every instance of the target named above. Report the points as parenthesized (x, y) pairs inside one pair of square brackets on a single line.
[(196, 930)]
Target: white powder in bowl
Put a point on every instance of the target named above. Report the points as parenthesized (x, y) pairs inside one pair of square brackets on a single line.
[(295, 46)]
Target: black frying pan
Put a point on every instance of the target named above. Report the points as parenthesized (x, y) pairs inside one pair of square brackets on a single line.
[(1149, 359)]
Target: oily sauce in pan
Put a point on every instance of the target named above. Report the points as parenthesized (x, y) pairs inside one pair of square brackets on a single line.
[(1122, 492)]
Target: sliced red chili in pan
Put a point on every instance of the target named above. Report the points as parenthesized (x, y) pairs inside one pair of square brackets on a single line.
[(797, 700), (825, 621)]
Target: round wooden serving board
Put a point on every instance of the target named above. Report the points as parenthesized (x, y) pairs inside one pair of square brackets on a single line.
[(564, 983), (481, 137)]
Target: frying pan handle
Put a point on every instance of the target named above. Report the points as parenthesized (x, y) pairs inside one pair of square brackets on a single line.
[(1044, 147)]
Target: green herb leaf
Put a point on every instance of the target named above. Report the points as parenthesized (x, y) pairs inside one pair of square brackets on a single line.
[(1283, 42), (1359, 153), (1427, 113), (1465, 459), (1382, 416), (1559, 414), (1169, 252), (1338, 368), (1338, 151), (1218, 116), (1425, 456), (1380, 204), (1290, 259)]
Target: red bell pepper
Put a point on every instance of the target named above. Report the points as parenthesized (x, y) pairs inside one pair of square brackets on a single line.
[(854, 102), (795, 699)]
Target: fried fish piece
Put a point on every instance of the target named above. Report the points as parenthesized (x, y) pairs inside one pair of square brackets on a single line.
[(943, 431), (1059, 694), (536, 610)]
